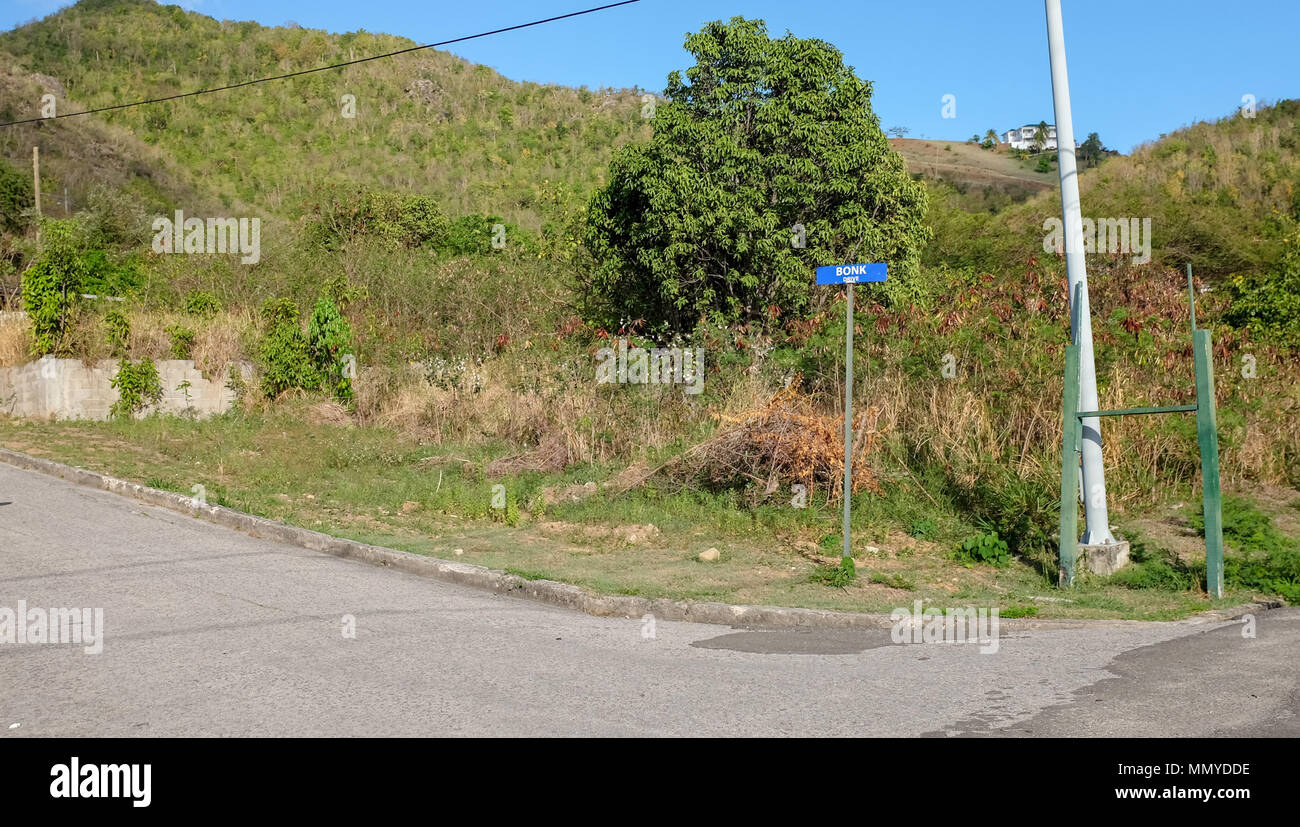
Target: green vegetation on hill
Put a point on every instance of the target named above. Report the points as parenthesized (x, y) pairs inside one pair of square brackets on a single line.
[(1223, 196), (425, 122)]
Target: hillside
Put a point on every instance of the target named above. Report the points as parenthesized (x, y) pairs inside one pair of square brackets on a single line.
[(86, 156), (1222, 196), (426, 122), (964, 166)]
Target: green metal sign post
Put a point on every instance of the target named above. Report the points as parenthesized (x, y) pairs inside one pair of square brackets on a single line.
[(849, 274), (848, 420), (1206, 434)]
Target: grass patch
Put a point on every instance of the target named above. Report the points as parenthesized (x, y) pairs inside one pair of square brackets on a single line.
[(893, 581), (388, 488), (1019, 611)]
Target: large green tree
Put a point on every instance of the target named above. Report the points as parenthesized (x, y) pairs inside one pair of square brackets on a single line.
[(766, 161)]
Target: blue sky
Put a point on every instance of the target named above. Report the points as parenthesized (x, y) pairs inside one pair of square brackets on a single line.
[(1137, 68)]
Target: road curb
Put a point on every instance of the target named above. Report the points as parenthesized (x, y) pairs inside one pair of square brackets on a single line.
[(545, 591)]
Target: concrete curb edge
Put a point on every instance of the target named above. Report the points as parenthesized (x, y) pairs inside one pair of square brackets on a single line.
[(544, 591)]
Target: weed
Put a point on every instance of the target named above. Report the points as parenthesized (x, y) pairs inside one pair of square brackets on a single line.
[(1265, 560), (182, 341), (894, 581), (986, 547), (1019, 611), (138, 385), (119, 332), (838, 576), (199, 303), (923, 529)]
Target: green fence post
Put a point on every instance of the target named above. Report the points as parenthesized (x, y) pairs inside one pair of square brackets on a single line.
[(1207, 434), (1070, 467)]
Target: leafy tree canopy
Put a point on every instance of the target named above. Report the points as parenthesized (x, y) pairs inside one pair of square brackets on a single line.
[(766, 161)]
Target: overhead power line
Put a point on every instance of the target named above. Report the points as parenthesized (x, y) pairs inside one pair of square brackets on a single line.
[(326, 68)]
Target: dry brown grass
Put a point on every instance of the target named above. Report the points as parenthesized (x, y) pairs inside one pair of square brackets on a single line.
[(328, 412), (15, 341), (218, 342), (149, 336), (491, 403)]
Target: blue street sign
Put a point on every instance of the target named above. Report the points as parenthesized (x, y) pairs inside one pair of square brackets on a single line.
[(851, 273)]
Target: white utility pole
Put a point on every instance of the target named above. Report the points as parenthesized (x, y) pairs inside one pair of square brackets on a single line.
[(1097, 530)]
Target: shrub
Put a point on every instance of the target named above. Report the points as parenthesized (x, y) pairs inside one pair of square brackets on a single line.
[(53, 284), (119, 332), (16, 196), (472, 235), (105, 277), (138, 385), (329, 340), (414, 220), (1022, 512), (1269, 305), (116, 219), (182, 341), (1276, 572), (400, 219), (986, 547), (286, 362), (199, 303), (835, 575), (1266, 560)]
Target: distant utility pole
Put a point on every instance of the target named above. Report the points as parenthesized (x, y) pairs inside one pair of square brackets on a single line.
[(36, 177), (1097, 529)]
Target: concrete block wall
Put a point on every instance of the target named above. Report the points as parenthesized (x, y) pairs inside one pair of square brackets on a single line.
[(68, 389)]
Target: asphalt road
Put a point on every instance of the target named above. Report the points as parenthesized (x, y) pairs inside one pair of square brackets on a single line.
[(213, 633)]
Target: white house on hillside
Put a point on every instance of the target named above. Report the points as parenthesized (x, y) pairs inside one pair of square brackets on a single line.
[(1023, 137)]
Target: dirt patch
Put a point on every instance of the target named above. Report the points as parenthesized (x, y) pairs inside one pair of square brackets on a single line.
[(1171, 533), (622, 534), (569, 493), (1280, 503), (968, 163)]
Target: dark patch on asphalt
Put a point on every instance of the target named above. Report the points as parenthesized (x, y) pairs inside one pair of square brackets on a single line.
[(1219, 666), (7, 502), (799, 641)]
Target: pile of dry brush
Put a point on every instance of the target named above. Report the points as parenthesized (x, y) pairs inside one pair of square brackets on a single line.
[(780, 444)]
